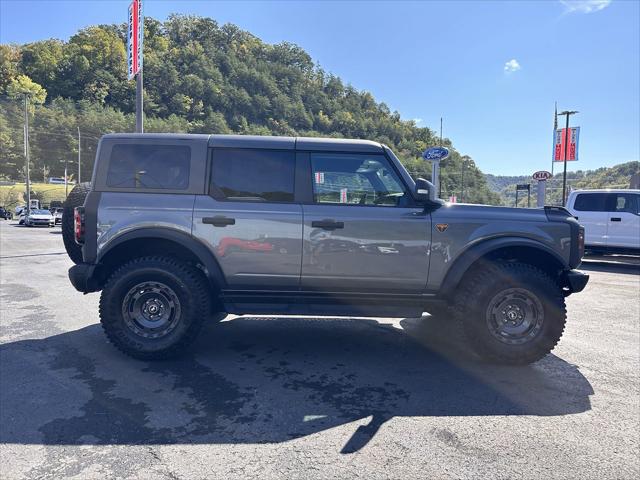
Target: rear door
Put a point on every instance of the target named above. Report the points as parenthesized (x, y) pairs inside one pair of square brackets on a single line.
[(590, 208), (249, 219), (623, 220), (362, 231)]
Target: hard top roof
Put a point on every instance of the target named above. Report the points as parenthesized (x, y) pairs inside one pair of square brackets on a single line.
[(270, 142)]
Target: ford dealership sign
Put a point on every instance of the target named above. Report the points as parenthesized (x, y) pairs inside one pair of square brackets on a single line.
[(435, 154)]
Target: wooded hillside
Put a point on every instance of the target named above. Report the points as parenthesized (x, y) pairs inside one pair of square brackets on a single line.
[(199, 77), (618, 176)]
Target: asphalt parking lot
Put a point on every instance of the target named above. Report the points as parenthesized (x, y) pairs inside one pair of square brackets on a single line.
[(308, 398)]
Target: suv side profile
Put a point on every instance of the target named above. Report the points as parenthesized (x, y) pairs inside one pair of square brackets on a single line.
[(178, 229), (611, 218)]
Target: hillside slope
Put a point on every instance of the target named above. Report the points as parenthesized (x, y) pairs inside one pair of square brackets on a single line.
[(199, 77)]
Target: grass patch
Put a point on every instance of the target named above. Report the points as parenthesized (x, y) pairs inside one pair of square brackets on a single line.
[(13, 195)]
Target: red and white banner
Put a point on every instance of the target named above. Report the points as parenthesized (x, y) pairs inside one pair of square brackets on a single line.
[(560, 142), (135, 36), (319, 177), (343, 195)]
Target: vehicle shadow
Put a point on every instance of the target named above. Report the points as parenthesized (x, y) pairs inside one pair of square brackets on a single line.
[(259, 380)]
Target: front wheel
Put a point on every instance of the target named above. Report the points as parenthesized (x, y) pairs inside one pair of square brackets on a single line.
[(153, 307), (511, 313)]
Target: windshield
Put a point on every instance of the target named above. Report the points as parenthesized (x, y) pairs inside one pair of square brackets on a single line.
[(40, 212)]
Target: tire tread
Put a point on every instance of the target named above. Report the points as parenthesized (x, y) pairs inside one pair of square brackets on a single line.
[(473, 292), (194, 281)]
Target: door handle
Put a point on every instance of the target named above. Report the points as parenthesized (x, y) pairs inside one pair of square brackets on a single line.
[(219, 221), (327, 224), (616, 219)]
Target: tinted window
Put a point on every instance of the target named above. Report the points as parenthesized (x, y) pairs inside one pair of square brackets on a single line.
[(591, 202), (149, 166), (355, 179), (253, 175), (626, 202)]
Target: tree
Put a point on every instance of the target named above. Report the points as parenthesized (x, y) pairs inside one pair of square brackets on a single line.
[(21, 85)]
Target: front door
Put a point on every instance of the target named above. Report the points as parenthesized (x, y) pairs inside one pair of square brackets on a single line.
[(250, 220), (623, 217), (363, 232)]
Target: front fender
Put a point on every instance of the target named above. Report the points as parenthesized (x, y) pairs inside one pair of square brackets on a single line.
[(469, 256)]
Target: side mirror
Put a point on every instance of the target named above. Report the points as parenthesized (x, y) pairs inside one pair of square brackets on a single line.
[(425, 190)]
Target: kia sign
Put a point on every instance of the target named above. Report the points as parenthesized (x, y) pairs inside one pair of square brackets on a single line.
[(435, 154), (542, 175), (135, 35)]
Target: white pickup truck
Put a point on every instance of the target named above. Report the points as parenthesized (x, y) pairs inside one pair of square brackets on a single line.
[(611, 219)]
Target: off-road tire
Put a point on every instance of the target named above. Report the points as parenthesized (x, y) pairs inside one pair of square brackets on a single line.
[(191, 289), (484, 284), (75, 199)]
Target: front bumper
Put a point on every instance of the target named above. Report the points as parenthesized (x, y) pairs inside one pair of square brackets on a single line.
[(574, 281), (40, 223), (84, 277)]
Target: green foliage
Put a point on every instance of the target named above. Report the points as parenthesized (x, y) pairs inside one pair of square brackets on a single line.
[(205, 78), (22, 84)]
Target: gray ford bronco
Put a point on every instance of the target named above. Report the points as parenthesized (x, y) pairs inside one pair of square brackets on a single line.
[(177, 230)]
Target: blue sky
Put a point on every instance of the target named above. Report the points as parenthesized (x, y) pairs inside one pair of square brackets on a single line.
[(492, 69)]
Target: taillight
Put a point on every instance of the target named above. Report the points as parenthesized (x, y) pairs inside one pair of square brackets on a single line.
[(581, 242), (78, 224)]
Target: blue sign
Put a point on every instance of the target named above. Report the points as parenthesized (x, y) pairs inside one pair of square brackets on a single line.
[(435, 154)]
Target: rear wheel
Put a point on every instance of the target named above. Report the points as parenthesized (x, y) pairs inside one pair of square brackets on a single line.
[(511, 313), (153, 307), (75, 199)]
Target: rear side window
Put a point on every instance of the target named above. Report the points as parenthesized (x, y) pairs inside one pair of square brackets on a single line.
[(591, 202), (253, 175), (626, 202), (149, 166)]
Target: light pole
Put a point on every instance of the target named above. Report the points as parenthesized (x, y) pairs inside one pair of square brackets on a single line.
[(26, 149), (567, 114)]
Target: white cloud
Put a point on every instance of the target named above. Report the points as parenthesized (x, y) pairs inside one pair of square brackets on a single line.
[(512, 66), (584, 6), (417, 120)]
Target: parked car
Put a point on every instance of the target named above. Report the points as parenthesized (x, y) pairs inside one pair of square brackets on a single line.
[(57, 215), (5, 214), (275, 228), (39, 218), (611, 219)]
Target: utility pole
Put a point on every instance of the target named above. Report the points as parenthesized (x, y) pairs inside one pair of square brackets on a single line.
[(66, 183), (79, 153), (567, 114), (555, 128), (462, 186), (26, 149)]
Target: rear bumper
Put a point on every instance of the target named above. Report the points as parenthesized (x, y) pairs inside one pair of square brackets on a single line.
[(574, 281), (83, 277)]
